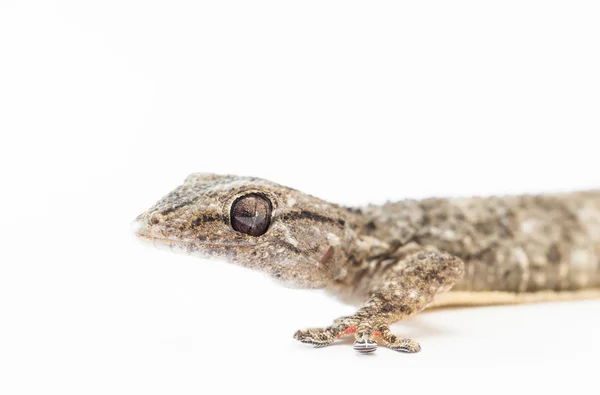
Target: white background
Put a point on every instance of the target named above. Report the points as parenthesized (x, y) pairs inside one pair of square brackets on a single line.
[(105, 106)]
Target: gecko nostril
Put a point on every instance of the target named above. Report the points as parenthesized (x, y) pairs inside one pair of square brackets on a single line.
[(154, 218)]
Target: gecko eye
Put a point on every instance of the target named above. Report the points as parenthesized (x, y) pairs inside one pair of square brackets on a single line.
[(251, 214)]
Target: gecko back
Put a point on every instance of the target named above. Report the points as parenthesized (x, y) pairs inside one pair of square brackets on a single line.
[(513, 244)]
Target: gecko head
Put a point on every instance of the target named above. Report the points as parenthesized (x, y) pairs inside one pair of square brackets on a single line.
[(294, 237)]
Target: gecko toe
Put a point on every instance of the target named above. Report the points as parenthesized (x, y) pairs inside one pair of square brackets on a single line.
[(365, 346), (313, 338), (407, 346)]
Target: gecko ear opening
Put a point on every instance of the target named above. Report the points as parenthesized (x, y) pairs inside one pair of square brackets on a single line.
[(251, 214)]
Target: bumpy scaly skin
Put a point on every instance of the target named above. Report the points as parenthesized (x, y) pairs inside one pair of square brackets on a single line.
[(396, 258)]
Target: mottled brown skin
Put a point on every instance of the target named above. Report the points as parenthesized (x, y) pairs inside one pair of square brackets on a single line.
[(396, 258)]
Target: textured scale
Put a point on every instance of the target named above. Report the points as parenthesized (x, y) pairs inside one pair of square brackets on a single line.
[(394, 259), (515, 244)]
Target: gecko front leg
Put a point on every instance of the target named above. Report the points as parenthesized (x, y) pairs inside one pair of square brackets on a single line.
[(404, 289)]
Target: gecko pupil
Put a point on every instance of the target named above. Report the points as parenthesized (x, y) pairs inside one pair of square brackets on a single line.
[(251, 214)]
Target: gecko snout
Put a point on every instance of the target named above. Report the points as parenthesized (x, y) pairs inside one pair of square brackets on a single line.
[(139, 227), (149, 225)]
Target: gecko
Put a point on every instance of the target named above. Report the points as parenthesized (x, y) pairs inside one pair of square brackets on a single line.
[(395, 259)]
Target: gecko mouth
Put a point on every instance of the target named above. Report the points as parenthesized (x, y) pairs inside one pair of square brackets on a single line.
[(156, 236)]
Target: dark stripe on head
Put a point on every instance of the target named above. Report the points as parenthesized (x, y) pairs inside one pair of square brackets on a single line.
[(206, 218), (178, 206)]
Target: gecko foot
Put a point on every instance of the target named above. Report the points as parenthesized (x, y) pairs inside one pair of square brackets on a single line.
[(315, 337), (321, 337), (397, 343), (366, 340), (366, 335)]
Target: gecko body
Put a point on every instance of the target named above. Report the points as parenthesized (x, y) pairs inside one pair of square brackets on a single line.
[(395, 259)]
